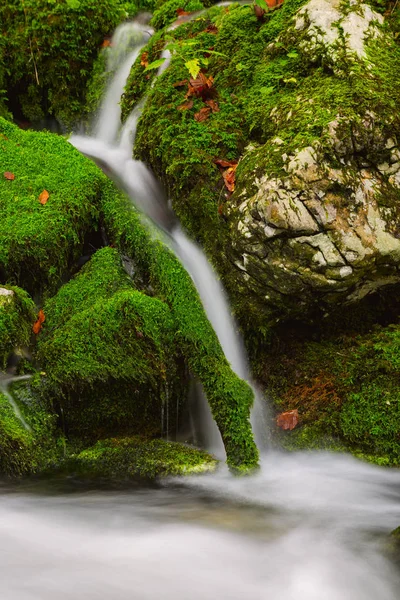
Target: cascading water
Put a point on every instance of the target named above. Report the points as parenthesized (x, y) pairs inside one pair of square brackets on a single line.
[(307, 526), (112, 150)]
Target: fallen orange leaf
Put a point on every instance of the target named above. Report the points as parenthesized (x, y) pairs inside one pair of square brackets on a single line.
[(229, 178), (44, 196), (181, 13), (9, 175), (37, 326), (202, 115), (106, 44), (288, 420)]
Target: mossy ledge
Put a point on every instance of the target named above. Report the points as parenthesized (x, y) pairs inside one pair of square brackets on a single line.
[(135, 456)]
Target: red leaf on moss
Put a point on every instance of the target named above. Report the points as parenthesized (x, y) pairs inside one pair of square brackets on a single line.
[(288, 420), (9, 176), (181, 13), (37, 326), (106, 44), (44, 196), (202, 115)]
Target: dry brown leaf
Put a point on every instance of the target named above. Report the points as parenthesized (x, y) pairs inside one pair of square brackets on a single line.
[(213, 105), (211, 29), (180, 83), (186, 105), (44, 196), (181, 13), (288, 420), (221, 162), (202, 115), (106, 44), (200, 86), (9, 175)]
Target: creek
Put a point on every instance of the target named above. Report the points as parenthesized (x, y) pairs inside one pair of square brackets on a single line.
[(307, 526)]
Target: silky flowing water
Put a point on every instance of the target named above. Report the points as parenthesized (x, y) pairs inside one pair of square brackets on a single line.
[(307, 526)]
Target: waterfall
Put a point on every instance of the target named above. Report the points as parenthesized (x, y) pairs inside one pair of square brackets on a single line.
[(110, 146)]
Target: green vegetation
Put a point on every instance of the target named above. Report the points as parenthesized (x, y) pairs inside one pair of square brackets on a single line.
[(17, 314), (109, 354), (40, 243), (347, 392), (134, 456), (49, 50), (229, 397), (267, 85), (25, 451)]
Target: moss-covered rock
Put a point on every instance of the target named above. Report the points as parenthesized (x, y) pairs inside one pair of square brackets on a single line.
[(229, 397), (347, 392), (310, 109), (27, 440), (109, 353), (49, 50), (135, 456), (40, 243), (17, 314)]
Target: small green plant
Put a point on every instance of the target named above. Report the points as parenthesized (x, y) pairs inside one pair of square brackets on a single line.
[(193, 57)]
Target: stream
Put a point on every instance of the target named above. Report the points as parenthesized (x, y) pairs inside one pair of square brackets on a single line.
[(306, 527)]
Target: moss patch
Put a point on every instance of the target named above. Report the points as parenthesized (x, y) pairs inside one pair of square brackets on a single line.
[(50, 47), (24, 451), (17, 314), (109, 354), (347, 392), (39, 243), (132, 457)]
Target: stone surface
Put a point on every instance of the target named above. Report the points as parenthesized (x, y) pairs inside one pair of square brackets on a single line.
[(324, 228)]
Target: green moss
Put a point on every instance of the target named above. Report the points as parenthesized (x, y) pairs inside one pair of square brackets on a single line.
[(124, 458), (267, 84), (24, 451), (347, 392), (229, 397), (40, 243), (49, 52), (109, 354), (17, 314), (166, 12)]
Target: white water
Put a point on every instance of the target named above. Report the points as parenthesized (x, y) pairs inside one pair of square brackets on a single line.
[(307, 527), (115, 157)]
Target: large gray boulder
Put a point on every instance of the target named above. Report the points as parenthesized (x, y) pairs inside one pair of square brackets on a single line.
[(316, 219)]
